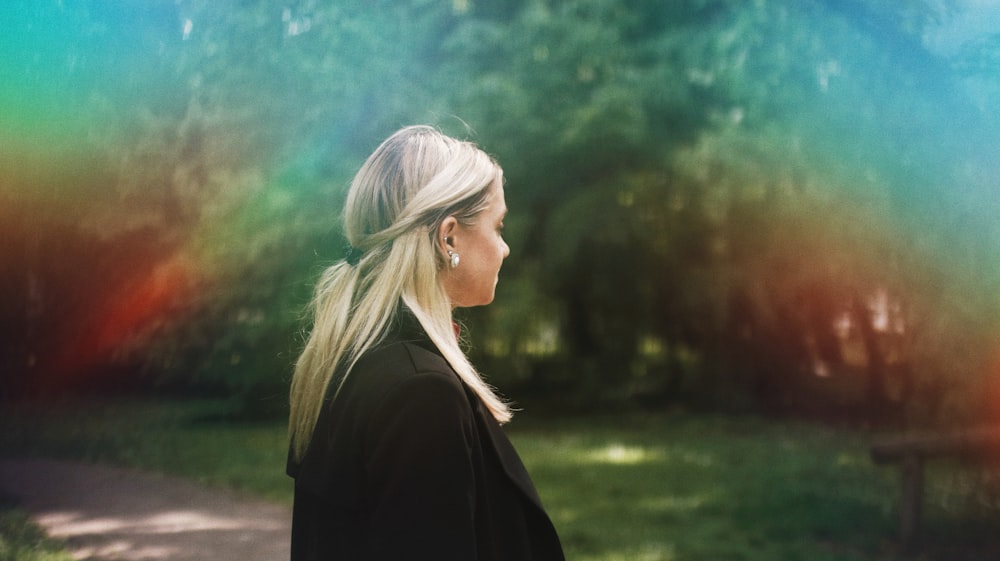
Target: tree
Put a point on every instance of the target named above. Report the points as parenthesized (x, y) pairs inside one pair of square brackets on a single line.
[(804, 180), (718, 202)]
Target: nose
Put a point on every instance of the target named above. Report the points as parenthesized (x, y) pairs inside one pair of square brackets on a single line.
[(506, 249)]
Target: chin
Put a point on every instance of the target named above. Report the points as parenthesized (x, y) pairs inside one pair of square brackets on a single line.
[(484, 301), (474, 303)]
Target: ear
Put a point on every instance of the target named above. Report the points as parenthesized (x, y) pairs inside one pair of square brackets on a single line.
[(446, 234)]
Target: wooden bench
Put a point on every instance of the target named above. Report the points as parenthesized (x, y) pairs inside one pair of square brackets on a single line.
[(911, 451)]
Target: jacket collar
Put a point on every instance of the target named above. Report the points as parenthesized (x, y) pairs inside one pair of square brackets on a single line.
[(509, 458), (408, 329)]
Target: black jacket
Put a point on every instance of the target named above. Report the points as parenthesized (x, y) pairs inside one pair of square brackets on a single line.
[(407, 463)]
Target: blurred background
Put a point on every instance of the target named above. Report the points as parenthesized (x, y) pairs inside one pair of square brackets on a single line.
[(775, 207)]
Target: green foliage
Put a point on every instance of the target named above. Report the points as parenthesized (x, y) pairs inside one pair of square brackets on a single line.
[(728, 186), (711, 199), (22, 540)]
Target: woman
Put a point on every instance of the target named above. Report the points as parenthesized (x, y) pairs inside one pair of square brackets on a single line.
[(396, 446)]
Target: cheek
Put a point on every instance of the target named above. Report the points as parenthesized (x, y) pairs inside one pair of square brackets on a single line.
[(501, 253)]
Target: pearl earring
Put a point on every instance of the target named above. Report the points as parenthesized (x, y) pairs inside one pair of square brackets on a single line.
[(453, 259)]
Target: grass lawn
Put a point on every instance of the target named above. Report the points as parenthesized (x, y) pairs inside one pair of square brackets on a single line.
[(656, 487)]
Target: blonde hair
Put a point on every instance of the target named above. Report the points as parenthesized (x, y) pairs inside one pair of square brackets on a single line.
[(413, 181)]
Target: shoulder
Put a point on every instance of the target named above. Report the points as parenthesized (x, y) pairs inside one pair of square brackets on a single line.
[(398, 362), (403, 371), (399, 383), (410, 397)]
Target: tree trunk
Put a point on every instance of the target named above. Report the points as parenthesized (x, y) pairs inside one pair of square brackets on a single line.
[(876, 397)]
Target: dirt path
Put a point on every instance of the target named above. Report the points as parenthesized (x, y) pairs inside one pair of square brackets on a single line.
[(106, 513)]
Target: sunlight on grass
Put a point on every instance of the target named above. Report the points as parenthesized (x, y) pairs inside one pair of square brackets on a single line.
[(704, 489), (649, 552), (618, 453), (675, 504)]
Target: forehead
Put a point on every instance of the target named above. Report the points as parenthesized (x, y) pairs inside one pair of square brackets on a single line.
[(498, 202)]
